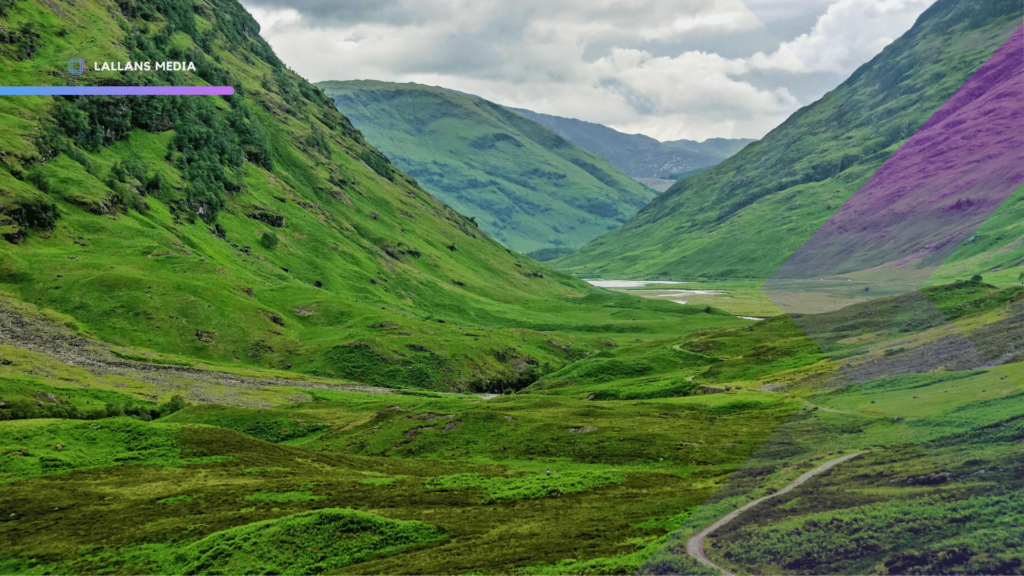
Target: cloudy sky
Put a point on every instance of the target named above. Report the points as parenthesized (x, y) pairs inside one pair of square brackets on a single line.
[(670, 69)]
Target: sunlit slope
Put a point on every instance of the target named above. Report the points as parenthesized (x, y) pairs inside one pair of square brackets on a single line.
[(745, 217), (525, 185), (258, 229)]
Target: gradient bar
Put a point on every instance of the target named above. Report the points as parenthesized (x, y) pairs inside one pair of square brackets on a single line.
[(116, 90)]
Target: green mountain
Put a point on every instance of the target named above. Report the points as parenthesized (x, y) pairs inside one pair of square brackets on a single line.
[(260, 229), (638, 155), (748, 215), (525, 185)]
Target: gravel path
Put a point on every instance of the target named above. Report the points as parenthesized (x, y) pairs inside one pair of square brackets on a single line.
[(695, 545)]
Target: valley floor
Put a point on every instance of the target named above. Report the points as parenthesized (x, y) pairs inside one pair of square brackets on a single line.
[(647, 446)]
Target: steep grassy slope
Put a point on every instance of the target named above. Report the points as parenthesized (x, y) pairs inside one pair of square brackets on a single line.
[(525, 185), (638, 155), (258, 229), (995, 250), (745, 217)]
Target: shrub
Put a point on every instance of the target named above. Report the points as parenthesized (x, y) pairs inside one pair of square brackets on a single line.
[(175, 404), (378, 163), (269, 240)]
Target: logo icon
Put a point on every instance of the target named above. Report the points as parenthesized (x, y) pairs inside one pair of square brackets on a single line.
[(76, 66)]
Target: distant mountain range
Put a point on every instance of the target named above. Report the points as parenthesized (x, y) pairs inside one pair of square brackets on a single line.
[(528, 187), (638, 155)]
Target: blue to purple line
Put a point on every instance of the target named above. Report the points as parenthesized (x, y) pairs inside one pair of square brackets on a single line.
[(116, 90)]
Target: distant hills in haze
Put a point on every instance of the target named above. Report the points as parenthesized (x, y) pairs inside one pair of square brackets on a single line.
[(640, 156), (525, 185)]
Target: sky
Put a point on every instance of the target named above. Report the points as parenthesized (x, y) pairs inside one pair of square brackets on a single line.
[(670, 69)]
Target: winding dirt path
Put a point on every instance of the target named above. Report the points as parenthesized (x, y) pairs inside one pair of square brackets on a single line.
[(695, 545)]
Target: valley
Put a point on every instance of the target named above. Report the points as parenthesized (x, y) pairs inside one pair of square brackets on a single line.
[(236, 336)]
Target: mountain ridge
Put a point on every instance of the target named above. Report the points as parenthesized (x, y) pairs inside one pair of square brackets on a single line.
[(525, 185), (638, 155), (745, 217)]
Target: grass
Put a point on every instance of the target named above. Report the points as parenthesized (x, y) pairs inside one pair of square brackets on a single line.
[(268, 425), (537, 486), (46, 447), (294, 496)]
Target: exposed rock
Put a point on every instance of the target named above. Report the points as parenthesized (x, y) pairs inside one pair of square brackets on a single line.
[(451, 426), (511, 419), (269, 218), (273, 317), (303, 311), (58, 447), (582, 429), (205, 336), (388, 409), (561, 347), (46, 396), (412, 432), (428, 416)]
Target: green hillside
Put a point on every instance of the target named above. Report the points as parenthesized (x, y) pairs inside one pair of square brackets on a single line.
[(995, 250), (525, 185), (258, 229), (745, 217)]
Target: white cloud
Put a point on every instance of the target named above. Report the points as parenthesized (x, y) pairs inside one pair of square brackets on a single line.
[(647, 73), (852, 32)]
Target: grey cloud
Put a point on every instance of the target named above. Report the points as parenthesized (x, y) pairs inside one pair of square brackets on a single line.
[(806, 87), (641, 104), (726, 44), (527, 53), (480, 54), (773, 11), (326, 13)]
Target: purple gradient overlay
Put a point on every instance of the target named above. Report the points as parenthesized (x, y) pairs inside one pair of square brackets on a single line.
[(116, 90), (943, 183)]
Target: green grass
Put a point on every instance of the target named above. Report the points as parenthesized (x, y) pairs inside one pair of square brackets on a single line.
[(177, 499), (294, 496), (268, 425), (926, 535), (536, 486), (29, 447), (309, 543)]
